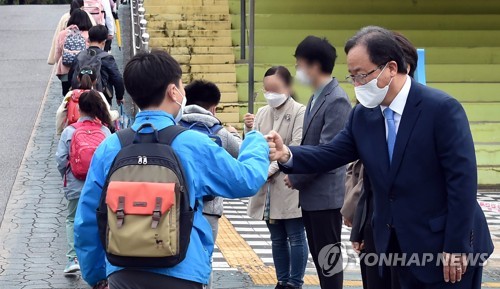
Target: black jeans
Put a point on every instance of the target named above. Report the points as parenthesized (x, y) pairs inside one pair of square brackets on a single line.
[(324, 228), (134, 279)]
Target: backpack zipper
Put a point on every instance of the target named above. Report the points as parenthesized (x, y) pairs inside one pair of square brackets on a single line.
[(142, 160)]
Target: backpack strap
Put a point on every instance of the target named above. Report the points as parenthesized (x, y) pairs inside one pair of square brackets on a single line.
[(216, 128), (165, 136), (126, 136), (168, 134)]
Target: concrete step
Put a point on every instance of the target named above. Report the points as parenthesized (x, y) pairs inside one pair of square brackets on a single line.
[(420, 38), (370, 6), (185, 2), (464, 92), (390, 21), (209, 68), (446, 73), (188, 17), (188, 25), (230, 117), (433, 55), (187, 10), (228, 97), (214, 50), (217, 78), (188, 41), (189, 33), (205, 59)]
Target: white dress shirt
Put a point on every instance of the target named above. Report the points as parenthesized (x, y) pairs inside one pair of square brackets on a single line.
[(398, 104)]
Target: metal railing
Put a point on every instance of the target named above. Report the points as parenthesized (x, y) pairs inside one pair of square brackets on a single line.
[(140, 37), (251, 45)]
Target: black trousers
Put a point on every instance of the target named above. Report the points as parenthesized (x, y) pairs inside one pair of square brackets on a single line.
[(470, 280), (107, 45), (134, 279), (323, 228), (371, 273)]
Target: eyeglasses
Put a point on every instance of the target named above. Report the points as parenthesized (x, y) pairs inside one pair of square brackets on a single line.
[(361, 78)]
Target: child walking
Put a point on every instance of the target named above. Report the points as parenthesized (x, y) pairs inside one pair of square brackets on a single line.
[(67, 113), (75, 150)]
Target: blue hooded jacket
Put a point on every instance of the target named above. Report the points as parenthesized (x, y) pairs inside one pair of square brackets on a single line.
[(209, 170)]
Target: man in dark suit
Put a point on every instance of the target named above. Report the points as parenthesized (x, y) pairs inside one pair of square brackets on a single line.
[(418, 152), (321, 195)]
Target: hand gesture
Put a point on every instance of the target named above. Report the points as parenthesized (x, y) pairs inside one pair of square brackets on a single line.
[(249, 120), (277, 150)]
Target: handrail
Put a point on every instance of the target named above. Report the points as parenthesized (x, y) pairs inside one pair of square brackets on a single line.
[(243, 27), (251, 57), (140, 37)]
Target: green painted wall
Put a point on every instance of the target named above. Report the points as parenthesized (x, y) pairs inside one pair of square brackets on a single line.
[(461, 38)]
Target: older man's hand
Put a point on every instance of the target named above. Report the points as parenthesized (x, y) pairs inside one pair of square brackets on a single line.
[(277, 150)]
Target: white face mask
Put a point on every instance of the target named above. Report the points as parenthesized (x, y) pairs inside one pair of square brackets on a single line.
[(275, 99), (302, 77), (182, 105), (369, 94)]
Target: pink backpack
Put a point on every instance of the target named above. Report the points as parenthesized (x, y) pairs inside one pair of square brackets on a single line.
[(95, 8), (86, 138)]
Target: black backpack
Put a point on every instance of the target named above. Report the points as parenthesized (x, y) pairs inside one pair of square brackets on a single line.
[(144, 215), (93, 59)]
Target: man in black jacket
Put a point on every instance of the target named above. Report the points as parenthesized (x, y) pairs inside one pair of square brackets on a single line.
[(109, 77)]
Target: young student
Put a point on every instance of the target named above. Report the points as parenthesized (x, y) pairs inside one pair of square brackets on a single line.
[(70, 42), (275, 203), (199, 114), (92, 127), (63, 23), (154, 82), (87, 80), (109, 77)]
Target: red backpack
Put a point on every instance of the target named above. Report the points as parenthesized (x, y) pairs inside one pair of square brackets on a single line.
[(86, 138), (73, 114)]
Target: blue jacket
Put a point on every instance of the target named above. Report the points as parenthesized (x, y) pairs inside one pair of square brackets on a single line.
[(427, 194), (209, 170)]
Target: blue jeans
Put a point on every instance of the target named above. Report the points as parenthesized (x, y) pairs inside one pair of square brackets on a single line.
[(290, 250)]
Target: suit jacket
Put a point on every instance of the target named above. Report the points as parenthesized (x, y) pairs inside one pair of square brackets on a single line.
[(427, 195), (327, 118), (284, 202)]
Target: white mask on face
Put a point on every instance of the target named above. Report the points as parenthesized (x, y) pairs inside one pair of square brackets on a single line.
[(369, 94), (302, 77), (182, 105), (275, 99)]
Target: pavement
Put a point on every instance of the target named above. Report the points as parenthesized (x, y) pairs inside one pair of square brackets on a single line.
[(32, 233), (26, 38)]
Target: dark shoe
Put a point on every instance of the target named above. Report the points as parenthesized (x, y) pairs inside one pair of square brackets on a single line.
[(281, 285), (288, 286)]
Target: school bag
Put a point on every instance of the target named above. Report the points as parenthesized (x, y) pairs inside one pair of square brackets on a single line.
[(73, 44), (93, 59), (86, 138), (144, 214), (72, 112), (96, 10), (211, 132)]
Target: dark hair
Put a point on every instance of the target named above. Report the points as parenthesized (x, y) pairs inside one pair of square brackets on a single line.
[(314, 49), (147, 76), (98, 33), (81, 19), (91, 103), (203, 93), (410, 52), (283, 73), (381, 45), (75, 4), (86, 77)]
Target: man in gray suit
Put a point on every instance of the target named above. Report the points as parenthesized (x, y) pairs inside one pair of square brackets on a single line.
[(321, 195)]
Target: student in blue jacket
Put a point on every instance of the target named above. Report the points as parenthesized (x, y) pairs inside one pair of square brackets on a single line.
[(154, 82)]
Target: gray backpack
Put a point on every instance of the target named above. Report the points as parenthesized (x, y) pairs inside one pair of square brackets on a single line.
[(93, 59)]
